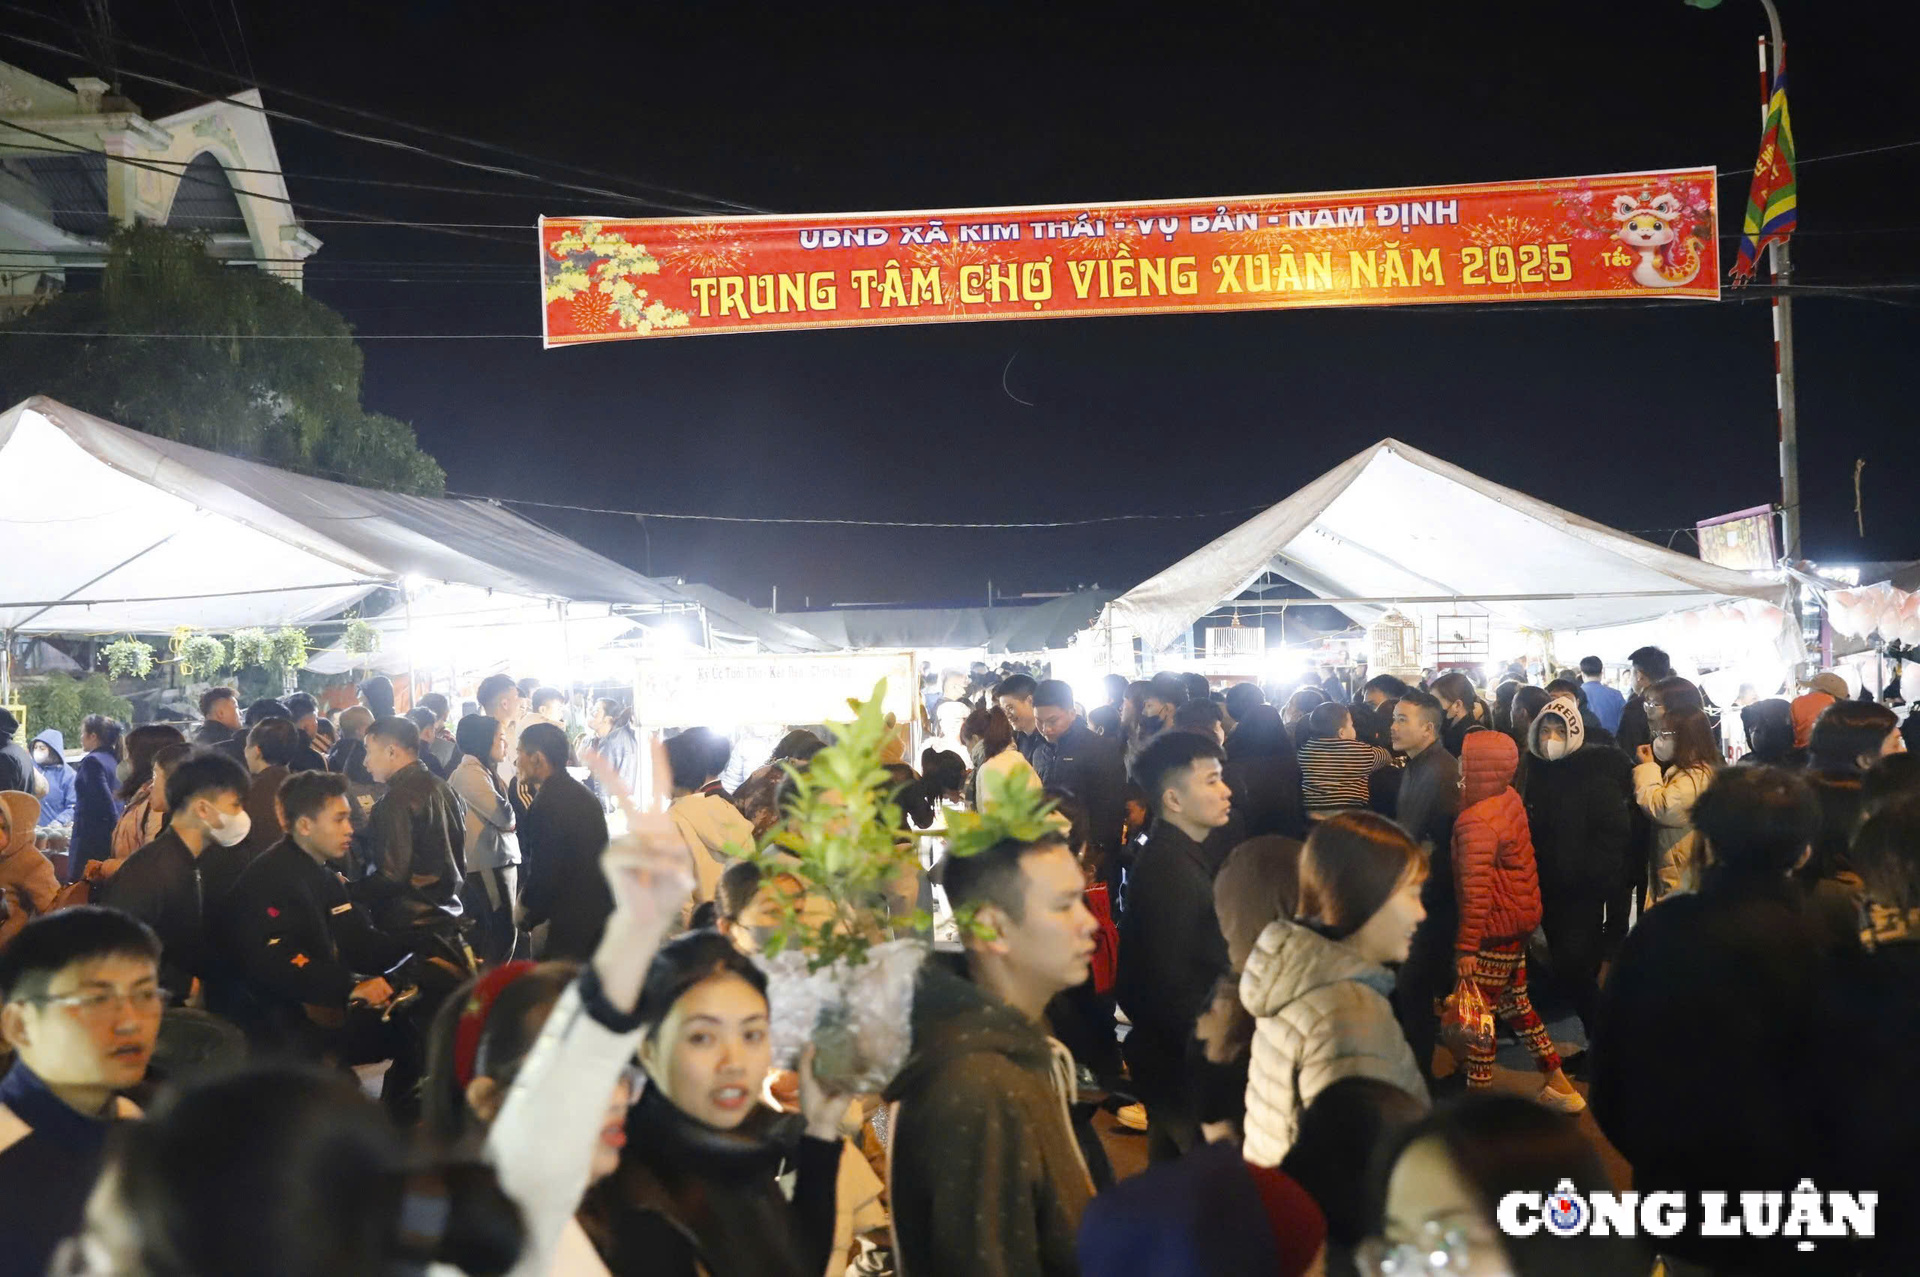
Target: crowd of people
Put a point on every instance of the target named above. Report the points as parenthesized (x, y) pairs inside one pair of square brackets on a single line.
[(1279, 935)]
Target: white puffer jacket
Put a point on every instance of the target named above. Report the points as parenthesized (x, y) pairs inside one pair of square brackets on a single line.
[(1667, 795), (1321, 1014)]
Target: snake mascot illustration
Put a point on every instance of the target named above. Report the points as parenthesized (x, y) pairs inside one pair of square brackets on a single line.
[(1649, 230)]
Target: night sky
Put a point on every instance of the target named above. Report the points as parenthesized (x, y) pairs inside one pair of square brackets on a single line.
[(1643, 417)]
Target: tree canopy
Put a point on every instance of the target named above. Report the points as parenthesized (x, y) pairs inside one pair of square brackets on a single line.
[(291, 401)]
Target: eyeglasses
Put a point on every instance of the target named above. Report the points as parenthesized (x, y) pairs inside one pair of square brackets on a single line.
[(100, 1007), (1438, 1250)]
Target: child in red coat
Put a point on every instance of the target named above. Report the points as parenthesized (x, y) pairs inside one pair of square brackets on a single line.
[(1498, 889)]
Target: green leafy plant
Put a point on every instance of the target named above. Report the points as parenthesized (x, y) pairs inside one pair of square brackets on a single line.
[(251, 647), (842, 837), (290, 648), (129, 658), (63, 701), (199, 655), (1012, 808), (360, 638)]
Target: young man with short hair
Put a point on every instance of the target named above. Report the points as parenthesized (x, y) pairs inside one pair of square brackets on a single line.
[(1650, 665), (415, 838), (987, 1174), (550, 704), (1171, 948), (561, 839), (80, 1004), (1089, 766), (1167, 693), (1606, 702), (161, 884), (296, 940), (304, 710), (1429, 799), (1203, 718), (1014, 695), (500, 699), (220, 712), (440, 742)]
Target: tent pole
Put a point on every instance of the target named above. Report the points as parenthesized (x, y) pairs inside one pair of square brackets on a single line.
[(6, 668)]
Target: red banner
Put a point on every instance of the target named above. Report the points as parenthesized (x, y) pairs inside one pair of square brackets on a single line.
[(1623, 235)]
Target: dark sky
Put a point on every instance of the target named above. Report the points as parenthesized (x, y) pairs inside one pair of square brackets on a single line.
[(1641, 417)]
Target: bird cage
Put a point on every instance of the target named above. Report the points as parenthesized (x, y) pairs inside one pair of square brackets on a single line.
[(1394, 641)]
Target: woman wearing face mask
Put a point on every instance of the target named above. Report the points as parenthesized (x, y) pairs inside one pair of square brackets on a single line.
[(95, 808), (1445, 1177), (536, 1061), (1318, 984), (696, 1192), (49, 755), (1670, 776), (1579, 807)]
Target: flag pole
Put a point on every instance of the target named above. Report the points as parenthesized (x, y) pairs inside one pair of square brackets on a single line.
[(1782, 263)]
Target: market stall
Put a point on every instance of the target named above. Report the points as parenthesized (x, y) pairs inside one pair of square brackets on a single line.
[(1482, 573)]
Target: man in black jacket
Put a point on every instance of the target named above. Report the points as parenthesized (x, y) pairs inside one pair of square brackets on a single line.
[(1171, 949), (1014, 694), (220, 716), (415, 840), (1734, 982), (160, 884), (1429, 799), (561, 839), (300, 949), (1088, 766), (1650, 665)]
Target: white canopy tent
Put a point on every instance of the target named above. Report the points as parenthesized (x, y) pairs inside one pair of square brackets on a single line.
[(1396, 528), (116, 531), (133, 532), (464, 633)]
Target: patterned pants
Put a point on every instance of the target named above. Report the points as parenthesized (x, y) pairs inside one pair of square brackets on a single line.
[(1500, 969)]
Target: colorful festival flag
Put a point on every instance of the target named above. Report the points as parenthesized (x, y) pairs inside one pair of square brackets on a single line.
[(1773, 203)]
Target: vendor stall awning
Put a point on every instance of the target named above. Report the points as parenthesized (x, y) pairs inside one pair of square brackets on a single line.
[(121, 531), (1040, 627), (1397, 525)]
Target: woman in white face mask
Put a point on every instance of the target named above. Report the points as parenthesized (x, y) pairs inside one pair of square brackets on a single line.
[(1578, 810), (1671, 773)]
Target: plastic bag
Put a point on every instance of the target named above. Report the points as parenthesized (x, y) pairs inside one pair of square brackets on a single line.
[(1466, 1023)]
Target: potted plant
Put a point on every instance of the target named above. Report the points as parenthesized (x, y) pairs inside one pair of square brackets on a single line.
[(128, 658), (841, 962)]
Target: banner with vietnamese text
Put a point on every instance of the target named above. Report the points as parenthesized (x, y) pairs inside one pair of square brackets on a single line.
[(1623, 235)]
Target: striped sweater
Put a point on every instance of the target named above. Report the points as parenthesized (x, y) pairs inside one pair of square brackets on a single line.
[(1334, 773)]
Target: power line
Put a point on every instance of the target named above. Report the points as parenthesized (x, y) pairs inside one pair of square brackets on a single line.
[(348, 181), (346, 214), (859, 523), (240, 33), (391, 143)]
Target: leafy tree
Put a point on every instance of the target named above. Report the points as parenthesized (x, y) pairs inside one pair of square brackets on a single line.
[(64, 701), (291, 403)]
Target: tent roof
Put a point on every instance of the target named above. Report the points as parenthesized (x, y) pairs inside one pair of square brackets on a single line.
[(1036, 627), (158, 534), (736, 624), (1394, 523)]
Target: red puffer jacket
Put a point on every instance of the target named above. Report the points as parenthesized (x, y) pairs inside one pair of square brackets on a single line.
[(1494, 876)]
